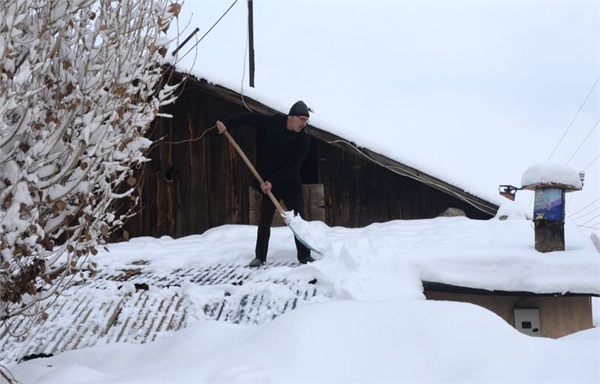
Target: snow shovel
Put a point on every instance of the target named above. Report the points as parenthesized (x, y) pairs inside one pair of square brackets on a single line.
[(273, 199)]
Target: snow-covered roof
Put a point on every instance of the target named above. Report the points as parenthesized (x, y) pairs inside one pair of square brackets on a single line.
[(393, 257), (494, 255), (149, 288)]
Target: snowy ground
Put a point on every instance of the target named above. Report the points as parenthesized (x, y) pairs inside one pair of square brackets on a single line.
[(346, 341), (377, 326)]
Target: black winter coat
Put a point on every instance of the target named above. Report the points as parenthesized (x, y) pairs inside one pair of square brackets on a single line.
[(283, 154)]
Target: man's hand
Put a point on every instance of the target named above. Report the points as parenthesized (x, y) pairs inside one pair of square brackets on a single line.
[(266, 187), (221, 127)]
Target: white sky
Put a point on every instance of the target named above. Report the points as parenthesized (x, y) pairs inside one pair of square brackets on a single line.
[(471, 92)]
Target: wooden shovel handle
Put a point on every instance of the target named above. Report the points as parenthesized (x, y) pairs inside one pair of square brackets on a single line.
[(253, 170)]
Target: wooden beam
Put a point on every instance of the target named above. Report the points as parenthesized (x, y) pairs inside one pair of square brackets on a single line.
[(441, 287)]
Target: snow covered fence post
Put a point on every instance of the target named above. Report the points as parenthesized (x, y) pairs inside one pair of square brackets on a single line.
[(79, 87), (550, 183)]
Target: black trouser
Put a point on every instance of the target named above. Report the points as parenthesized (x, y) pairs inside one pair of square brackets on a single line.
[(267, 209)]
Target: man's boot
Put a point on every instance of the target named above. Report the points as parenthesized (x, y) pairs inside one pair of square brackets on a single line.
[(256, 263), (306, 260)]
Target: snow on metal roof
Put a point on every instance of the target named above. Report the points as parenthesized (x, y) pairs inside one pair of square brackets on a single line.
[(138, 307)]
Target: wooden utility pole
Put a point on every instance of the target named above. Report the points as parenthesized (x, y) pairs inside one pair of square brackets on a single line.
[(251, 42)]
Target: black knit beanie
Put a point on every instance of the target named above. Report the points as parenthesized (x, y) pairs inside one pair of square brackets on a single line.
[(299, 109)]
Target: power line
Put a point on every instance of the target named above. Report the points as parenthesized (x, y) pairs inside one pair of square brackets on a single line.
[(569, 127), (579, 217), (591, 162), (584, 140), (569, 202), (588, 227), (207, 32), (593, 218), (574, 213), (418, 177), (575, 117)]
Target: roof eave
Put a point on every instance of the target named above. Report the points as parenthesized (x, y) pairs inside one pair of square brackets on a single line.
[(449, 288)]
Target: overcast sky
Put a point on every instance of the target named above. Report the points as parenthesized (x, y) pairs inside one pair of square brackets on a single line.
[(471, 92)]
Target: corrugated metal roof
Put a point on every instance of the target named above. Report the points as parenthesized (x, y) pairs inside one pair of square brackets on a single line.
[(137, 306)]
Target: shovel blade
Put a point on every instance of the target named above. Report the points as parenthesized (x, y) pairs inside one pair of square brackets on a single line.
[(287, 218)]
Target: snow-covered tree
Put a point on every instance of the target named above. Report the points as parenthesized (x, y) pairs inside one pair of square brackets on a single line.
[(79, 86)]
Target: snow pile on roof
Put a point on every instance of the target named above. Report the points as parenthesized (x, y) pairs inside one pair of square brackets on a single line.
[(549, 173), (511, 210), (492, 255), (411, 341), (389, 260)]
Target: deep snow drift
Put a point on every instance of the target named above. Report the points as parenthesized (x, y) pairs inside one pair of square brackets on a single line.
[(347, 341)]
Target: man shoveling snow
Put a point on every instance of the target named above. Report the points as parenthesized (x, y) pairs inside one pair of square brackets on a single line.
[(286, 147)]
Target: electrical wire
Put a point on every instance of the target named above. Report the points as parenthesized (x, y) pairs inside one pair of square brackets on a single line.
[(574, 213), (570, 199), (242, 84), (207, 32), (593, 218), (568, 129), (157, 142), (189, 140), (579, 216), (588, 227), (584, 140), (413, 176), (575, 117), (591, 162)]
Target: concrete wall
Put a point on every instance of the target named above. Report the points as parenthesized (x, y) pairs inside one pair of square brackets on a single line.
[(559, 316)]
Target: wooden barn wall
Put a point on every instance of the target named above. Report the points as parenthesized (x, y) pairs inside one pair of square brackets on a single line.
[(192, 186), (359, 192)]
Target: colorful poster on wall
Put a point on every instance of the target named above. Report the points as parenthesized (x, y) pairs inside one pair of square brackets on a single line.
[(549, 204)]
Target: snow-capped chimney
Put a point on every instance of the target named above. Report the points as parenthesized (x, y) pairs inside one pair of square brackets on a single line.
[(550, 183)]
